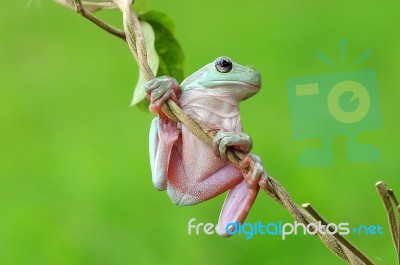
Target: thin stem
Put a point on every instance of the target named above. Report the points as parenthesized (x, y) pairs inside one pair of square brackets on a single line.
[(345, 250), (94, 6), (398, 239), (397, 205), (140, 43), (388, 197), (338, 236), (100, 23)]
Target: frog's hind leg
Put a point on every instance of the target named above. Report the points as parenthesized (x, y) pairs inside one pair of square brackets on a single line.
[(236, 207), (163, 135), (184, 191)]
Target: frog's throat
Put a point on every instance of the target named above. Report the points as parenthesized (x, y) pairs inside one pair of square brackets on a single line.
[(212, 109)]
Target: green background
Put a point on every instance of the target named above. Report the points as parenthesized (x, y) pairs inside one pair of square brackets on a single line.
[(75, 185)]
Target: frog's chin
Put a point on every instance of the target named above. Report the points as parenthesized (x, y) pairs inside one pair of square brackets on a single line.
[(243, 90), (238, 90), (255, 87)]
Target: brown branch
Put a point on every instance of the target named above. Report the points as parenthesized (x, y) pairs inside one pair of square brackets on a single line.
[(334, 242), (133, 35), (344, 243)]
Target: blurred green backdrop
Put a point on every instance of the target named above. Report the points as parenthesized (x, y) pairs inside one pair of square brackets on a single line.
[(75, 185)]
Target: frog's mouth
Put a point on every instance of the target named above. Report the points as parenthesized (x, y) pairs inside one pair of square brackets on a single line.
[(255, 86), (218, 83), (252, 85)]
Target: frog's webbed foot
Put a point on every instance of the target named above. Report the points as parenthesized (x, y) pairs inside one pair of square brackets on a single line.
[(257, 175), (223, 140), (159, 90)]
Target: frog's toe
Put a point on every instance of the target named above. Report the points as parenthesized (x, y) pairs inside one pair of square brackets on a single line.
[(159, 90), (223, 140), (255, 175), (257, 171), (263, 183), (151, 85), (220, 144)]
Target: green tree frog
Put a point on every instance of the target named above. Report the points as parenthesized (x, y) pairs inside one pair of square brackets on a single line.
[(187, 168)]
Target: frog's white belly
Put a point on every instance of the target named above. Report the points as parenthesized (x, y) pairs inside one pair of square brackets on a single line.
[(201, 174), (198, 161)]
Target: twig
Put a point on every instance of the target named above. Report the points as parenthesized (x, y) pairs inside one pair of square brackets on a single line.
[(397, 205), (89, 6), (344, 243), (134, 37), (398, 240), (338, 245), (100, 23), (389, 199)]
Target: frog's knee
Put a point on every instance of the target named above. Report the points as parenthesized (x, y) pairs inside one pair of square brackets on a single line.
[(160, 181), (181, 198)]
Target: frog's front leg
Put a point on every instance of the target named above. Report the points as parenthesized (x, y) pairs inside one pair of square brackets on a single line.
[(163, 132), (159, 90), (239, 141), (242, 142)]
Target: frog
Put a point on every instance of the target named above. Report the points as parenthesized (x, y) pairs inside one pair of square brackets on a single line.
[(187, 168)]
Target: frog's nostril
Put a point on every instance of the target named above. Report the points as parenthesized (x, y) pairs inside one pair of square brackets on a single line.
[(251, 67)]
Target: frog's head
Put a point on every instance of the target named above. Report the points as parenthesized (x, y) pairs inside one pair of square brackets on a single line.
[(225, 77)]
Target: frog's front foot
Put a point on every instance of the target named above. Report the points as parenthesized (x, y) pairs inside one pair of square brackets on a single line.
[(223, 140), (257, 174), (161, 89)]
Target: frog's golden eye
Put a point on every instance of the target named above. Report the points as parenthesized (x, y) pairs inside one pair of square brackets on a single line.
[(223, 64)]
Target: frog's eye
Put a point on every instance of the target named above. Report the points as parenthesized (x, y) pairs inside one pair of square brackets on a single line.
[(223, 64)]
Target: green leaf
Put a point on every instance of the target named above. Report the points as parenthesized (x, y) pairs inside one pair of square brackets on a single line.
[(164, 53), (168, 48), (158, 17)]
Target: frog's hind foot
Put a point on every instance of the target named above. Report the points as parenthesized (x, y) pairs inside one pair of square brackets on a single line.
[(257, 172)]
